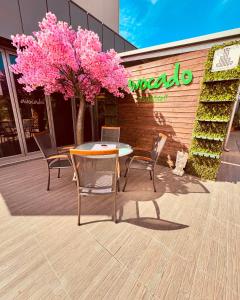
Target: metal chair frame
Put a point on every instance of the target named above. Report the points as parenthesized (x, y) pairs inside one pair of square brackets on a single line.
[(112, 129), (150, 162), (55, 157), (89, 154)]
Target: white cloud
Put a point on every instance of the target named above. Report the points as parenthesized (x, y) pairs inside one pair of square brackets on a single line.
[(153, 1), (129, 26)]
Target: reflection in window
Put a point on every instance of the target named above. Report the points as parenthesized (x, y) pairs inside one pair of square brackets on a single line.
[(33, 111), (62, 119), (9, 143)]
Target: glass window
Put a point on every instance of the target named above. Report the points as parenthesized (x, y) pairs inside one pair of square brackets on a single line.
[(32, 12), (60, 8), (128, 46), (33, 111), (95, 26), (78, 16), (108, 38), (9, 142), (62, 119), (119, 44)]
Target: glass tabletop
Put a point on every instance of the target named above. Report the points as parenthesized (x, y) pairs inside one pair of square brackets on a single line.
[(124, 149)]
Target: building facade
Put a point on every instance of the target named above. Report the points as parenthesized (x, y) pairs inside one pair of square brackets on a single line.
[(185, 91), (107, 11), (22, 114)]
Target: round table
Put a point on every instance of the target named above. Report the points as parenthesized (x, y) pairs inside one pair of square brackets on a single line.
[(124, 149)]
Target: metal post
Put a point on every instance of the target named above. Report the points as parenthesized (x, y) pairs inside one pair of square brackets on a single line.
[(231, 121), (74, 119), (50, 119), (92, 122)]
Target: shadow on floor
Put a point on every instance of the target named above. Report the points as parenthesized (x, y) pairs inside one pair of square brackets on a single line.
[(156, 224), (23, 190), (166, 182)]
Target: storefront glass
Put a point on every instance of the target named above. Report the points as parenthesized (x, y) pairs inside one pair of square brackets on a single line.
[(32, 110), (9, 138), (62, 120)]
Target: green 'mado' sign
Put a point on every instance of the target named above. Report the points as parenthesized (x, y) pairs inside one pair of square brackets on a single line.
[(185, 77)]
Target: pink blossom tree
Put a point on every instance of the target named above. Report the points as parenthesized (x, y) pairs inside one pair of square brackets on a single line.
[(60, 59)]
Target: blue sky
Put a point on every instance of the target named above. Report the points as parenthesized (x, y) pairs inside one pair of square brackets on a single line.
[(153, 22)]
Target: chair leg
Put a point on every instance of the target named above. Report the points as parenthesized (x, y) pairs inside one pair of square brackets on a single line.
[(153, 180), (59, 170), (118, 185), (126, 179), (115, 208), (48, 183), (126, 165), (79, 208), (150, 172)]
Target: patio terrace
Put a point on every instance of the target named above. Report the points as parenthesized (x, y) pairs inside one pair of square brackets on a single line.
[(179, 243)]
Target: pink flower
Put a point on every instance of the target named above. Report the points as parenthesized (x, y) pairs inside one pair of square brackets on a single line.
[(60, 59)]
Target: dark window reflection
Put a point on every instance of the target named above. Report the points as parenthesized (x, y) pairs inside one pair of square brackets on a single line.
[(100, 119), (62, 119), (33, 112), (9, 143)]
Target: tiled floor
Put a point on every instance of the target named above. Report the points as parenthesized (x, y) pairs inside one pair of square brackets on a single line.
[(230, 167), (179, 243)]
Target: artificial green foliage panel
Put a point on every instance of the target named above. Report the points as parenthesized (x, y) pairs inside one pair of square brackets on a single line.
[(221, 75), (203, 167), (210, 130), (213, 91), (208, 111), (208, 137), (214, 111), (207, 146)]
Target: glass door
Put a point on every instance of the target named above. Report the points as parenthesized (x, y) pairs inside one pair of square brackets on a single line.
[(10, 136), (31, 109), (62, 120), (22, 114)]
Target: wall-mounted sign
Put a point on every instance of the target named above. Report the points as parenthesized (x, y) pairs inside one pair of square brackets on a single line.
[(32, 101), (226, 58), (152, 99), (177, 79)]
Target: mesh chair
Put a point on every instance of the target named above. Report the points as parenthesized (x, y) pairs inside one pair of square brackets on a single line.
[(97, 173), (146, 163), (110, 134), (54, 159)]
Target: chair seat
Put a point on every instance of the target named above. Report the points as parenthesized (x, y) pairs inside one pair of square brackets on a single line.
[(97, 183), (140, 164), (59, 163), (95, 191)]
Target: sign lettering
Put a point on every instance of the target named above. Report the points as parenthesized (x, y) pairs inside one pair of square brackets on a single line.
[(177, 79)]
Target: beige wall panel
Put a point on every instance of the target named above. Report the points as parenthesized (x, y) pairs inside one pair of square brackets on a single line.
[(107, 11)]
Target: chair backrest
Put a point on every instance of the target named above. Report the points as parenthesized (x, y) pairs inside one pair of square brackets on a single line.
[(8, 130), (95, 169), (158, 146), (110, 134), (44, 142)]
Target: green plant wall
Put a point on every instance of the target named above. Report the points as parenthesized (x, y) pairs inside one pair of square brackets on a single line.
[(218, 93), (221, 75)]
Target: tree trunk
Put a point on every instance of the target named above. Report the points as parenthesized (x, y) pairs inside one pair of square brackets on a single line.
[(80, 122)]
